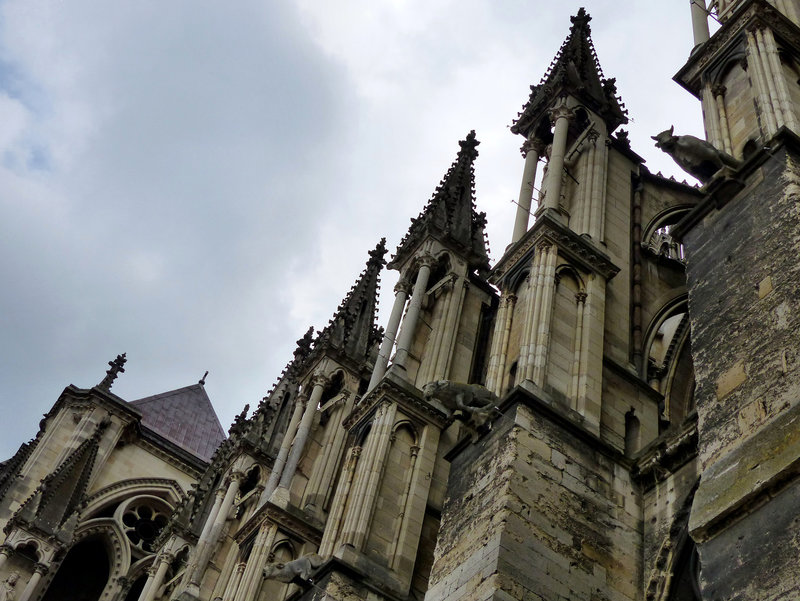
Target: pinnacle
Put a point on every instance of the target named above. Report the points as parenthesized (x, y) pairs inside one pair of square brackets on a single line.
[(450, 214), (575, 70)]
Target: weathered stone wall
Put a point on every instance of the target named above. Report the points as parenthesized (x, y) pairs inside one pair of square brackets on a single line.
[(743, 294), (537, 510)]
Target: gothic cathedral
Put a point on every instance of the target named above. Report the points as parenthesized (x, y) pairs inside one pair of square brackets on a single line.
[(611, 412)]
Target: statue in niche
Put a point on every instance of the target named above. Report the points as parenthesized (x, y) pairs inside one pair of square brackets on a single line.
[(472, 404), (8, 587), (695, 156)]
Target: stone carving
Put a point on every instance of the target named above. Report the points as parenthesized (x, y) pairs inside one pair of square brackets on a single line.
[(471, 403), (8, 587), (695, 156), (299, 569)]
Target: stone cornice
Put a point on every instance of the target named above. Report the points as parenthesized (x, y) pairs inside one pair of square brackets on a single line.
[(750, 14), (579, 249), (292, 522), (667, 454), (392, 388)]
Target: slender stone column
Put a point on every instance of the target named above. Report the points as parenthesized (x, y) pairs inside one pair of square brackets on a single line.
[(367, 478), (429, 368), (560, 116), (401, 294), (226, 575), (531, 150), (31, 591), (548, 284), (770, 77), (494, 370), (6, 551), (409, 327), (598, 191), (325, 467), (590, 382), (212, 516), (334, 523), (530, 325), (460, 287), (403, 504), (699, 22), (774, 61), (204, 553), (587, 185), (760, 77), (233, 584), (283, 452), (373, 475), (580, 299), (711, 116), (502, 363), (252, 575), (156, 577), (718, 93), (318, 382)]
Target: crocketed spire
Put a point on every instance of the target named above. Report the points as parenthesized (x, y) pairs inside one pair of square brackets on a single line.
[(574, 70), (353, 327), (450, 215)]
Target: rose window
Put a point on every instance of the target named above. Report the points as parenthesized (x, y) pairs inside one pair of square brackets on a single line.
[(142, 524)]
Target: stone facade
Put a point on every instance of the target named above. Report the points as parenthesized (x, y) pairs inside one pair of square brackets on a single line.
[(609, 413)]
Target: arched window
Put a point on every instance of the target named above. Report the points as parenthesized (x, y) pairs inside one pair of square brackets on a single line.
[(83, 574), (657, 238), (670, 369)]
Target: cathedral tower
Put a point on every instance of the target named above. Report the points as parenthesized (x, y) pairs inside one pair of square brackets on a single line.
[(742, 279)]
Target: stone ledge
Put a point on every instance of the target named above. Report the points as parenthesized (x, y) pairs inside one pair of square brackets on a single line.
[(759, 467)]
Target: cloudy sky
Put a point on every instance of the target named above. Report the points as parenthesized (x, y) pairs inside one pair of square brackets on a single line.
[(197, 182)]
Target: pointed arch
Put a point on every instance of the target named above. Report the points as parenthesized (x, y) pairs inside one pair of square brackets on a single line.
[(563, 350), (669, 368)]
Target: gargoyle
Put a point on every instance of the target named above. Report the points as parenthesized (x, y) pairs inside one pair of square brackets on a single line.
[(297, 570), (695, 156), (470, 403)]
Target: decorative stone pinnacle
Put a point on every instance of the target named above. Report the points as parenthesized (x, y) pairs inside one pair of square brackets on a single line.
[(117, 366), (376, 255), (582, 18)]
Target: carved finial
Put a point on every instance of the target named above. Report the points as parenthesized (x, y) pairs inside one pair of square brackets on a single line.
[(470, 144), (117, 366), (376, 255), (202, 381), (582, 18)]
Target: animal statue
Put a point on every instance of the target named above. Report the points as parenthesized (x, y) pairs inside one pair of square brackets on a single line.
[(470, 403), (695, 156), (296, 571)]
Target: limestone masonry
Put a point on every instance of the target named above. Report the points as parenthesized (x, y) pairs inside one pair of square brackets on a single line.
[(609, 413)]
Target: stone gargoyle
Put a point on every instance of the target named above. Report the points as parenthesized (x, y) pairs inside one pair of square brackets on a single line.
[(695, 156), (296, 571), (471, 403)]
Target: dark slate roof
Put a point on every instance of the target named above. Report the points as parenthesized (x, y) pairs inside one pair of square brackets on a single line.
[(184, 416)]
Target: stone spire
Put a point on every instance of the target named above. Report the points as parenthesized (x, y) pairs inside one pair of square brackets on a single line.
[(576, 71), (353, 327), (117, 366), (51, 507), (450, 215)]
